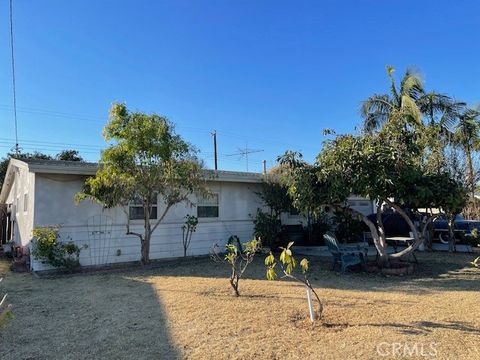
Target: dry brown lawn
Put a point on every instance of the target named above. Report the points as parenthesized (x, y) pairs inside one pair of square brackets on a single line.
[(187, 310)]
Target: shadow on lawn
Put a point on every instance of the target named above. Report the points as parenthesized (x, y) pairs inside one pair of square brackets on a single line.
[(435, 272), (426, 327), (85, 317)]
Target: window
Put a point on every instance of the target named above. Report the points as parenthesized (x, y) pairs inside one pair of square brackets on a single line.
[(25, 202), (136, 211), (207, 207), (293, 212)]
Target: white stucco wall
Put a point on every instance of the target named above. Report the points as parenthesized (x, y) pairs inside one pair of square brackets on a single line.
[(54, 205), (23, 184)]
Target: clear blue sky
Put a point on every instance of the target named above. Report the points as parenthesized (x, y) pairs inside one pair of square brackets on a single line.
[(266, 74)]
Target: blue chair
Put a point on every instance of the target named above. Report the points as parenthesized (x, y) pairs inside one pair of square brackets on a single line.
[(345, 255)]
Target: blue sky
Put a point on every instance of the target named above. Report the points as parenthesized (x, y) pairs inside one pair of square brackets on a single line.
[(268, 75)]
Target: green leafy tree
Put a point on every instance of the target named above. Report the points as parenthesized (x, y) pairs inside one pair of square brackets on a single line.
[(387, 167), (69, 155), (287, 264), (72, 155), (267, 224), (21, 155), (147, 160), (300, 179)]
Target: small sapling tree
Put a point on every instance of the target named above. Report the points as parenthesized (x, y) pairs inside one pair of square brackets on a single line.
[(188, 229), (287, 265), (237, 260)]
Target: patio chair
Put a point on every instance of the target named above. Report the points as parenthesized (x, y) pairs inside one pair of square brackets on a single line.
[(345, 255)]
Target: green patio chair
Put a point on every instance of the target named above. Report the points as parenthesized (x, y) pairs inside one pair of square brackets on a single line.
[(345, 255)]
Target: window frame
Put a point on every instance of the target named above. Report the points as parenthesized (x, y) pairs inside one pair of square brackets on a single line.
[(25, 202), (199, 205), (132, 204)]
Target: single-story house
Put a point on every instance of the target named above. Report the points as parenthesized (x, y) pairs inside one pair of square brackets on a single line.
[(41, 192)]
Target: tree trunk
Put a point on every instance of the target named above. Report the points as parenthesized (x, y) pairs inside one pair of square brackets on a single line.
[(234, 279), (451, 240), (145, 250), (381, 227), (418, 239), (428, 229), (382, 252), (470, 174)]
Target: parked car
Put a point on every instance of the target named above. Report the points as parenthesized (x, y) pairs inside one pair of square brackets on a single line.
[(461, 228), (395, 225)]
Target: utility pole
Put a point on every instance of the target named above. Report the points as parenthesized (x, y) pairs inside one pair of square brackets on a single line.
[(17, 148), (214, 134), (265, 167)]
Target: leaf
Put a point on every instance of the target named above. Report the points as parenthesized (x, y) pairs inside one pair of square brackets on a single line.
[(271, 274), (270, 259), (304, 265)]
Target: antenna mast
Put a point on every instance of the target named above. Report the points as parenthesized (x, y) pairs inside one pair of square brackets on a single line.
[(243, 153)]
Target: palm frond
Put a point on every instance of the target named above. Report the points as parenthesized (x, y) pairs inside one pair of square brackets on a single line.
[(411, 85), (393, 88), (375, 111), (410, 109)]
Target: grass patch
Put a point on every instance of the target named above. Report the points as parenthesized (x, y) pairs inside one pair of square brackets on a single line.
[(187, 310)]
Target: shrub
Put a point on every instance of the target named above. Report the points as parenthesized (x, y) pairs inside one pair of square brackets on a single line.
[(188, 229), (473, 239), (48, 249), (237, 260), (266, 228), (347, 228)]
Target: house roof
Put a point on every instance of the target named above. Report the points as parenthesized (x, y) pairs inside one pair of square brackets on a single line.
[(89, 169)]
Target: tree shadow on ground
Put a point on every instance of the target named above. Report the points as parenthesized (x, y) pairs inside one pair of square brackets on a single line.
[(426, 327), (435, 272), (86, 317)]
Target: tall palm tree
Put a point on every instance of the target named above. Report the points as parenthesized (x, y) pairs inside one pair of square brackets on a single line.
[(401, 102), (467, 136), (411, 102)]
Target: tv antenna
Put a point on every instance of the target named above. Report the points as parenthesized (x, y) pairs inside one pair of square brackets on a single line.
[(243, 153)]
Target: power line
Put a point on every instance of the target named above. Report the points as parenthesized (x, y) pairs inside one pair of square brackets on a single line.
[(96, 119), (13, 79)]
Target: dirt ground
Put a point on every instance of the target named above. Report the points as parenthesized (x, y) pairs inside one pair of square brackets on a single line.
[(186, 310)]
